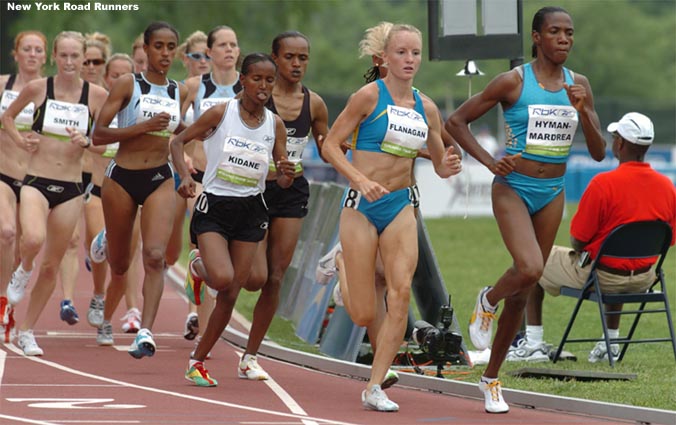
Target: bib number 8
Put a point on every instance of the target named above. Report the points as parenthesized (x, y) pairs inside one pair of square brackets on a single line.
[(352, 198)]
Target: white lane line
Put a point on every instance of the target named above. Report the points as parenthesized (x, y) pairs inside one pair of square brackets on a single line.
[(67, 369), (285, 397), (3, 356), (26, 421), (66, 421)]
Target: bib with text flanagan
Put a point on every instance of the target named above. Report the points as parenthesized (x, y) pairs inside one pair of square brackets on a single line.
[(406, 132)]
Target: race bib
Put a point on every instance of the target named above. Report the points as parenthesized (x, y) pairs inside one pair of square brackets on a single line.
[(59, 115), (243, 162), (294, 152), (151, 105), (212, 101), (24, 120), (406, 132), (111, 150), (551, 129), (351, 199)]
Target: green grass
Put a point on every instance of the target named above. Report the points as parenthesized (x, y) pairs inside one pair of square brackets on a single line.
[(471, 255)]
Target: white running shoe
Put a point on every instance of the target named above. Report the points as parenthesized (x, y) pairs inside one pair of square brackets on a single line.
[(104, 334), (132, 321), (28, 345), (95, 312), (191, 328), (326, 267), (338, 296), (599, 352), (376, 399), (17, 285), (494, 403), (481, 323), (98, 249), (249, 369), (143, 345), (524, 352)]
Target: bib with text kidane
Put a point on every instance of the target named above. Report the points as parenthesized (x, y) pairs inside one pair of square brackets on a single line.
[(406, 132), (551, 129), (243, 162), (151, 105), (24, 120), (60, 115)]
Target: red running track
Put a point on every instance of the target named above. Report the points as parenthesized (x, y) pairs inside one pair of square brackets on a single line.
[(78, 382)]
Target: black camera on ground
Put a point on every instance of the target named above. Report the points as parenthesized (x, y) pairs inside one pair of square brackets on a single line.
[(439, 343)]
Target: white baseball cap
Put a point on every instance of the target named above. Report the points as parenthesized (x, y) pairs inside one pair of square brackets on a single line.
[(635, 128)]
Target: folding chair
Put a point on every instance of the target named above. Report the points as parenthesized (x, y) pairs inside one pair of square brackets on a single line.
[(642, 239)]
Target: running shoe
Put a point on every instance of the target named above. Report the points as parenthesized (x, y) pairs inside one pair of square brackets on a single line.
[(132, 321), (104, 334), (17, 285), (481, 323), (194, 284), (143, 345), (199, 376), (524, 352), (376, 399), (494, 403), (28, 345), (338, 296), (88, 263), (391, 378), (98, 248), (5, 306), (249, 369), (599, 352), (8, 330), (192, 327), (326, 267), (68, 313), (95, 312)]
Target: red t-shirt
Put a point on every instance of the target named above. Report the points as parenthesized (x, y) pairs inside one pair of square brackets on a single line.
[(631, 192)]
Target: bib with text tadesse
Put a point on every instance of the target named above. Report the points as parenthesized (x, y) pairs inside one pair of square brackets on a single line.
[(151, 105)]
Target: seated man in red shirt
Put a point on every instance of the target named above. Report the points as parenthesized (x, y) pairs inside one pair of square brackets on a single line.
[(631, 192)]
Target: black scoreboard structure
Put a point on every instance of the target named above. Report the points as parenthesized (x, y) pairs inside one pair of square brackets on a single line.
[(475, 29)]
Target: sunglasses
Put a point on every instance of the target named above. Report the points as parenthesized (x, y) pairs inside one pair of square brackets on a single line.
[(196, 56), (96, 62)]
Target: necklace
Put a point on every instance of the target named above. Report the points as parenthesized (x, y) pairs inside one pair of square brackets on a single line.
[(542, 86), (258, 118)]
